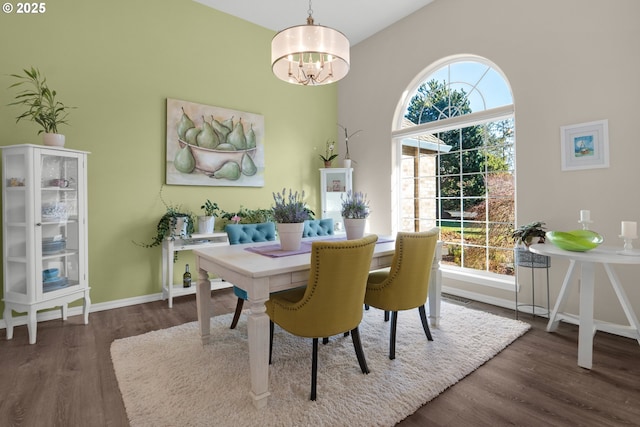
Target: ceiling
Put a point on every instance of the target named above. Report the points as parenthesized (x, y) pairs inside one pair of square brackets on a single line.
[(357, 19)]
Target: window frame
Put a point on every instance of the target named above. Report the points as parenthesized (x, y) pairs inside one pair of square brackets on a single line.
[(398, 133)]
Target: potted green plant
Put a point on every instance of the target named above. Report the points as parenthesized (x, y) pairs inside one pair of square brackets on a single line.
[(42, 106), (244, 216), (355, 211), (176, 222), (347, 157), (526, 234), (290, 212), (329, 155), (206, 222)]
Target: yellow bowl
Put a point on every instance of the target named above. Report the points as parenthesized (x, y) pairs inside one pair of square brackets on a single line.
[(576, 240)]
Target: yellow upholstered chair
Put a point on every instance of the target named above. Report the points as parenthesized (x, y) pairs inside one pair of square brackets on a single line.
[(332, 301), (405, 284)]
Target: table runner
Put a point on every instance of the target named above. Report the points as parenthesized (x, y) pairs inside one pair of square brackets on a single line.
[(274, 251)]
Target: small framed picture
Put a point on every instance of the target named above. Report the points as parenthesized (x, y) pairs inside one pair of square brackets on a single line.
[(585, 145)]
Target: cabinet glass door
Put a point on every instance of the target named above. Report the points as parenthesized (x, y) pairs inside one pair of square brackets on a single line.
[(336, 183), (58, 234), (16, 206)]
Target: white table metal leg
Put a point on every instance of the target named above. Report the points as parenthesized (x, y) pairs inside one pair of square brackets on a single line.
[(562, 297), (587, 324), (624, 301)]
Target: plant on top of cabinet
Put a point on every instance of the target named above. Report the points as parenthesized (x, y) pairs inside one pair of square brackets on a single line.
[(329, 154), (42, 106), (347, 157)]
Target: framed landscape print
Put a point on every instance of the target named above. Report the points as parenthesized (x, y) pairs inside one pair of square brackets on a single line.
[(585, 146), (213, 146)]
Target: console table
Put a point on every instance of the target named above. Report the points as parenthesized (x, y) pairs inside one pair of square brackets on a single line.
[(586, 261), (171, 246)]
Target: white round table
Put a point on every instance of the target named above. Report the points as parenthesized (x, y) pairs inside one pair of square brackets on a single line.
[(587, 324)]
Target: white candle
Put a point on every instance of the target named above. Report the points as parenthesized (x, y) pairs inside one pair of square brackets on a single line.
[(630, 229), (585, 215)]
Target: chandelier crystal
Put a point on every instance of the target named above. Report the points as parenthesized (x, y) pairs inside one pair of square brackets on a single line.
[(310, 54)]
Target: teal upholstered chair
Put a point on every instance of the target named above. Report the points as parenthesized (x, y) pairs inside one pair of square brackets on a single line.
[(247, 233), (318, 227), (405, 284), (331, 303)]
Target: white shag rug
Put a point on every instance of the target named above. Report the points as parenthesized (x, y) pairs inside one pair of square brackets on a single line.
[(168, 378)]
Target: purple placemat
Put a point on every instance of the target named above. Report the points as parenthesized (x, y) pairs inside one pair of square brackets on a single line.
[(274, 251)]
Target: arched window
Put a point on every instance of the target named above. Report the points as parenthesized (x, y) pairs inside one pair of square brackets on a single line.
[(455, 140)]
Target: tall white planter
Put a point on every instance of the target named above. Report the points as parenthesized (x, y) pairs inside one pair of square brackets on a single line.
[(354, 227), (205, 224), (290, 235)]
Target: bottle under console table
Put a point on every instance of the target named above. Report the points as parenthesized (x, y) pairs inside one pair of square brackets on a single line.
[(170, 246)]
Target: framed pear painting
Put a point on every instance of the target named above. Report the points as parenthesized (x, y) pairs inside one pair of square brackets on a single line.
[(213, 146)]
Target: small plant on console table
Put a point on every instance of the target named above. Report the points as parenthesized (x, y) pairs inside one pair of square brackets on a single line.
[(206, 222), (175, 222)]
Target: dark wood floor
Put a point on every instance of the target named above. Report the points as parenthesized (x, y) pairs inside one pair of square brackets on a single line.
[(67, 379)]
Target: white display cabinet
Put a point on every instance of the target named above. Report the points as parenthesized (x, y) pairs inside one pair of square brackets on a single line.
[(334, 185), (44, 212)]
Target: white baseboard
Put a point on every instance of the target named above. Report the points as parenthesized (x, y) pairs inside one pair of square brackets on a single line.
[(500, 302), (77, 311), (109, 305)]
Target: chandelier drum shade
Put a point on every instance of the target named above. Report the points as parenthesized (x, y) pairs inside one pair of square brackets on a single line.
[(310, 54)]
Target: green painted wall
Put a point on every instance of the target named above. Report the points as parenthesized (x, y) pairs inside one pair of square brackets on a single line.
[(118, 61)]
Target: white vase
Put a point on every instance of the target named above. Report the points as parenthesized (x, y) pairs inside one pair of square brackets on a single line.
[(346, 163), (290, 235), (205, 224), (354, 227), (53, 139)]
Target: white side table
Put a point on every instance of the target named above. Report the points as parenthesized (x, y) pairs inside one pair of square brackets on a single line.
[(171, 246), (586, 261)]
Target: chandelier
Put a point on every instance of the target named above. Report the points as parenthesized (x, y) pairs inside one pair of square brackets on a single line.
[(310, 54)]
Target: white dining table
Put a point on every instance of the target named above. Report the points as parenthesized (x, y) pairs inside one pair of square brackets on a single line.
[(585, 262), (260, 275)]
